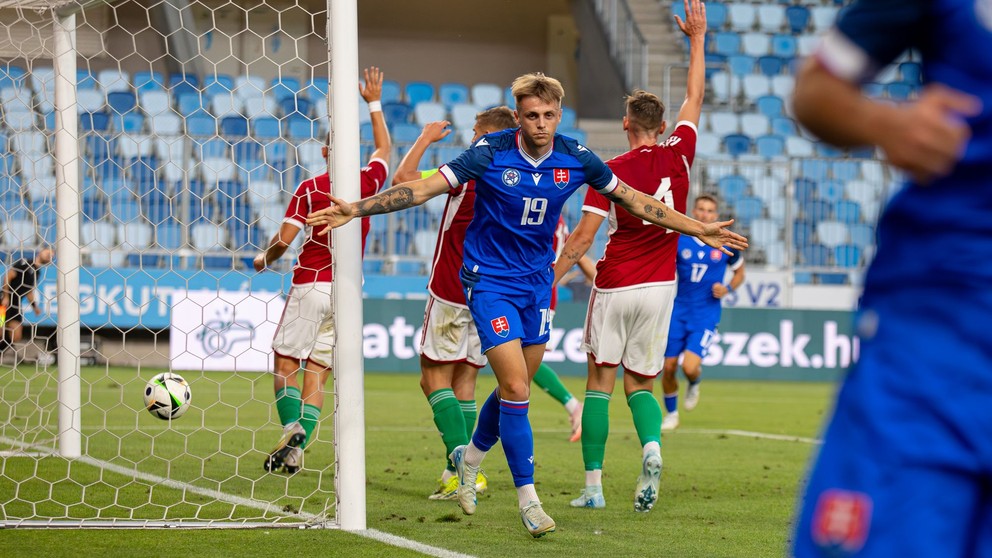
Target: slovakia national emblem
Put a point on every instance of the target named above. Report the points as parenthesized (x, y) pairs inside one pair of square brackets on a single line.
[(500, 326), (841, 520), (511, 177), (715, 255), (561, 178)]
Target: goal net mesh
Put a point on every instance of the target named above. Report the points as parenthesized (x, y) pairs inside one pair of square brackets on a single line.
[(196, 121)]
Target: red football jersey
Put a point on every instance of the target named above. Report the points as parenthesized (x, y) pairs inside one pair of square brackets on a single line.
[(444, 282), (314, 262), (638, 252)]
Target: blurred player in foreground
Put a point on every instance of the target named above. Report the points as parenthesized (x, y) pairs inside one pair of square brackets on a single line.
[(906, 464)]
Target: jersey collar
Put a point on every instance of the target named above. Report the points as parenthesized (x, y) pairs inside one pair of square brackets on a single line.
[(534, 162)]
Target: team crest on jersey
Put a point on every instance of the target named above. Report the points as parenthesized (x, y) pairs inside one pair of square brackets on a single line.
[(841, 520), (511, 177), (686, 254), (500, 326), (561, 177), (716, 255)]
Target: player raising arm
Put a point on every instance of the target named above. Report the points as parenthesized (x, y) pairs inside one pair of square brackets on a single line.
[(631, 302), (305, 335), (904, 469), (523, 178)]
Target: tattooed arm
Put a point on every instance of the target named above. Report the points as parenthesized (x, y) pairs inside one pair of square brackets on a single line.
[(645, 207), (578, 243), (397, 198)]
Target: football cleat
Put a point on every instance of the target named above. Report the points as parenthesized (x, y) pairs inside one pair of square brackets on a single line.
[(670, 422), (691, 397), (293, 460), (446, 490), (466, 480), (481, 482), (648, 482), (293, 436), (535, 520), (591, 497)]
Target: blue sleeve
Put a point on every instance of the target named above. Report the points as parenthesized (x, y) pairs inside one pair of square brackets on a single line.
[(870, 34), (735, 259), (597, 174), (470, 165)]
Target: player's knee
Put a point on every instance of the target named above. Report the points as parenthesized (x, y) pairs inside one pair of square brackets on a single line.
[(515, 390)]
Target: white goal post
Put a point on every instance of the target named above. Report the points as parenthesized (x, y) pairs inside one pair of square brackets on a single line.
[(155, 146)]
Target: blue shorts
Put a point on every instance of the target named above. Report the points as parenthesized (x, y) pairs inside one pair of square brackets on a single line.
[(512, 307), (906, 464), (688, 333)]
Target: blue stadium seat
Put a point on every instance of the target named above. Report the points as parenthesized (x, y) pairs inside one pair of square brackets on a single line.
[(391, 91), (275, 154), (452, 93), (109, 169), (574, 133), (427, 111), (246, 150), (726, 43), (784, 46), (845, 169), (740, 64), (220, 83), (911, 72), (372, 266), (828, 151), (678, 9), (732, 188), (85, 80), (771, 106), (300, 128), (211, 148), (830, 190), (748, 209), (802, 232), (714, 63), (817, 210), (862, 234), (847, 255), (873, 89), (716, 15), (130, 123), (419, 92), (770, 65), (124, 210), (805, 189), (234, 126), (784, 126), (569, 118), (94, 209), (396, 112), (899, 91), (121, 101), (405, 133), (487, 95), (815, 255), (798, 18), (266, 127), (737, 144), (770, 145), (189, 102), (317, 88), (149, 81), (815, 169), (201, 124), (142, 171), (94, 121), (847, 211), (294, 105)]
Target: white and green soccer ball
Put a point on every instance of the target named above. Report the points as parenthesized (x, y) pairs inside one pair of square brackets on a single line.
[(167, 396)]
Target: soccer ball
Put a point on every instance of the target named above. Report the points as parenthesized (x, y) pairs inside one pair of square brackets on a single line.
[(167, 396)]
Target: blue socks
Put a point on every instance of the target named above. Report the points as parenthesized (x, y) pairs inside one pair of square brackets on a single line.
[(509, 420)]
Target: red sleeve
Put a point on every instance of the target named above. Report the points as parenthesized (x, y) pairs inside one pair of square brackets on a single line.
[(683, 140), (596, 203), (299, 206), (373, 177)]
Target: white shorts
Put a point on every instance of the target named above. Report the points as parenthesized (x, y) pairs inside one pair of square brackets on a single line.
[(630, 328), (306, 328), (450, 335)]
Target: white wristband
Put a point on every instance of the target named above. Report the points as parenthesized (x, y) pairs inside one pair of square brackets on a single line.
[(375, 106)]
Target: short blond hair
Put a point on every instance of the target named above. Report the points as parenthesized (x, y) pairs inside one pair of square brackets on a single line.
[(645, 111), (536, 84), (496, 119)]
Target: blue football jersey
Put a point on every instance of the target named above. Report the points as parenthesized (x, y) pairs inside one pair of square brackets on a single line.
[(954, 38), (699, 267), (518, 199)]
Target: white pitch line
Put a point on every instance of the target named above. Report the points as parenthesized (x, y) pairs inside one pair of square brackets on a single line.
[(749, 434), (380, 536), (409, 544)]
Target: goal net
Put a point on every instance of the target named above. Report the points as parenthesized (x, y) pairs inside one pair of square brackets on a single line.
[(155, 146)]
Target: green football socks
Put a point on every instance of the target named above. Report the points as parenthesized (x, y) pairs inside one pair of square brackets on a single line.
[(595, 428), (646, 411), (309, 420), (288, 404), (548, 380), (449, 420)]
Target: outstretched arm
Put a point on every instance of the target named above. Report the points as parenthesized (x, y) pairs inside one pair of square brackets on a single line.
[(403, 196), (432, 132), (277, 246), (372, 93), (645, 207), (925, 137), (694, 27), (578, 244)]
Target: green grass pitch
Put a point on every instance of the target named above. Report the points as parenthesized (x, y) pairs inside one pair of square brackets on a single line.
[(724, 492)]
